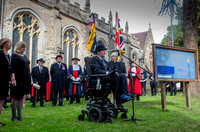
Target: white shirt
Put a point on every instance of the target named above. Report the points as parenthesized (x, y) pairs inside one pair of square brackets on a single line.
[(76, 67), (133, 71)]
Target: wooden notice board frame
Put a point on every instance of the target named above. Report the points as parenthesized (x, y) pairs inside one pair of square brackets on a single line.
[(162, 80)]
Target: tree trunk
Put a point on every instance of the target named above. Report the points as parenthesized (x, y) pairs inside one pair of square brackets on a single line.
[(190, 24), (190, 34)]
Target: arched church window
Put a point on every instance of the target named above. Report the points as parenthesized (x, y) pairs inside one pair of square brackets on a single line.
[(70, 45), (70, 53), (26, 28)]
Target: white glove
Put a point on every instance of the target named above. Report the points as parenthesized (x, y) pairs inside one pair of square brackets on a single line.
[(78, 79), (72, 78), (107, 72)]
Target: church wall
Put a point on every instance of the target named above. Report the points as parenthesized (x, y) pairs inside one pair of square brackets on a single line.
[(55, 17)]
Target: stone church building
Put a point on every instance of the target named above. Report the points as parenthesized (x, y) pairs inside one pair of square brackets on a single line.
[(52, 27)]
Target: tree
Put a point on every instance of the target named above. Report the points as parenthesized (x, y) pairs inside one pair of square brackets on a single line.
[(168, 7), (177, 30)]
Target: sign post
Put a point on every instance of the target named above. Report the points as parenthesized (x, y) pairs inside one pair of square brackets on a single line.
[(175, 64)]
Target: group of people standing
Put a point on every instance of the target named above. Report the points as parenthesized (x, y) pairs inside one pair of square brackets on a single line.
[(15, 73), (16, 76)]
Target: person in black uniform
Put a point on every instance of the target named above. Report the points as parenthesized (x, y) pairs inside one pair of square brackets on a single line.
[(58, 74), (100, 66), (40, 75), (153, 84), (20, 65), (6, 71), (173, 88)]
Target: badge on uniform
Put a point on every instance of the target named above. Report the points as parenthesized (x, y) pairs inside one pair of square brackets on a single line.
[(63, 67)]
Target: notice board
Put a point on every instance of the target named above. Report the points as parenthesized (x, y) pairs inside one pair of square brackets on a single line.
[(175, 63)]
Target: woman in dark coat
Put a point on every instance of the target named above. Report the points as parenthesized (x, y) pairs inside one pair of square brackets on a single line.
[(6, 71), (20, 64)]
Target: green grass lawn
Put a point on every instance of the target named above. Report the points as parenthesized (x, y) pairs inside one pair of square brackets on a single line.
[(176, 118)]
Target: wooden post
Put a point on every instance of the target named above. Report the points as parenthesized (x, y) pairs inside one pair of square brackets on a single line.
[(187, 95), (163, 96)]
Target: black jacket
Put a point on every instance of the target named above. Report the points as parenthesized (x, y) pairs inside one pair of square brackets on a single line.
[(58, 75), (41, 78), (120, 66), (4, 76), (98, 66)]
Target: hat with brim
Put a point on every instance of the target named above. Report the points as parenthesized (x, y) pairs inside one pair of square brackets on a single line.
[(59, 56), (40, 60), (100, 47), (75, 58)]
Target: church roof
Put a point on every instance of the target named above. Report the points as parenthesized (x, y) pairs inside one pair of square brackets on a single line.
[(142, 37)]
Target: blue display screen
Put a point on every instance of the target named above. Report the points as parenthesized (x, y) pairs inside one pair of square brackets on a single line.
[(173, 64)]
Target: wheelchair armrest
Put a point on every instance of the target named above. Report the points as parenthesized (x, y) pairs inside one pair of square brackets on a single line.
[(103, 75)]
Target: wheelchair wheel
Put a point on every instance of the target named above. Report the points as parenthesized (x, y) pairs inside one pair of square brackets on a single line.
[(124, 116), (95, 114), (81, 117)]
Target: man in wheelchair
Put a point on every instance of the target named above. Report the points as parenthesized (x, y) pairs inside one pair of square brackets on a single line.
[(117, 78), (101, 81)]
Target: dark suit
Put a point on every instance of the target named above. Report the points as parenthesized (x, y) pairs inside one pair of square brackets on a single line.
[(100, 66), (121, 76), (173, 88), (153, 84), (41, 78), (58, 81)]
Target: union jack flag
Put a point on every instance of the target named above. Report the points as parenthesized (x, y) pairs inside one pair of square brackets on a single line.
[(118, 35)]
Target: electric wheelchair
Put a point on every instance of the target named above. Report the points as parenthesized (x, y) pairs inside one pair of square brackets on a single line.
[(99, 108)]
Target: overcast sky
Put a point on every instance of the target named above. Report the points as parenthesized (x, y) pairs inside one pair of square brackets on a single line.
[(138, 13)]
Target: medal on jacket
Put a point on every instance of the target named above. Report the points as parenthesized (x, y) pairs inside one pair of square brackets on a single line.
[(63, 67)]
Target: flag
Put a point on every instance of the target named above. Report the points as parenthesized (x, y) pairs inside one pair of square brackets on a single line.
[(118, 36), (92, 36)]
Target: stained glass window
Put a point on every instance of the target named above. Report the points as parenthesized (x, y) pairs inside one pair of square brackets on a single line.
[(15, 39), (26, 28), (65, 53), (26, 39), (70, 46), (34, 49), (70, 54)]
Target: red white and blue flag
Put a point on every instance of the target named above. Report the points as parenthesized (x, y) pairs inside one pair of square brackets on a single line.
[(118, 35)]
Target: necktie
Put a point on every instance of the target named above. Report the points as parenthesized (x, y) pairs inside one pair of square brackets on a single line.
[(40, 69)]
